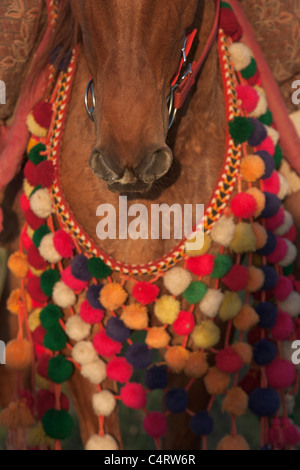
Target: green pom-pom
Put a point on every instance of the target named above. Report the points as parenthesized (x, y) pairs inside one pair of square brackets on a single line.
[(50, 316), (55, 339), (98, 268), (288, 270), (35, 156), (39, 234), (278, 156), (226, 5), (249, 71), (240, 129), (57, 424), (195, 292), (48, 279), (60, 369), (266, 118), (222, 265)]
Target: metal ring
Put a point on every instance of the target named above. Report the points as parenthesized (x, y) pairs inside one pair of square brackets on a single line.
[(90, 110), (170, 103)]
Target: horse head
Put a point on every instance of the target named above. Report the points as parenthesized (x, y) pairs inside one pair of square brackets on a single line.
[(132, 50)]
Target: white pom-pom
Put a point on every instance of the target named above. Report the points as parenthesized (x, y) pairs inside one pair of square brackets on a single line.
[(273, 134), (94, 371), (289, 405), (223, 231), (62, 295), (77, 329), (261, 107), (177, 280), (287, 224), (291, 304), (240, 55), (104, 403), (290, 255), (106, 442), (284, 187), (40, 203), (84, 352), (211, 302), (47, 249)]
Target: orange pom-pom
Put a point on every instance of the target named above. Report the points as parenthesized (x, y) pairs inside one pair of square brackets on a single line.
[(16, 416), (256, 279), (216, 381), (13, 302), (244, 350), (259, 198), (252, 168), (18, 354), (196, 365), (246, 318), (233, 443), (176, 358), (260, 235), (235, 402), (157, 337), (112, 296), (135, 316), (18, 264)]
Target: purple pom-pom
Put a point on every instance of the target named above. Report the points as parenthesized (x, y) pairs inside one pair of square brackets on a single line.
[(271, 277), (264, 401), (92, 296), (202, 424), (272, 205), (116, 330), (259, 133), (267, 313), (176, 400), (268, 161), (139, 356), (264, 352), (79, 268), (269, 246)]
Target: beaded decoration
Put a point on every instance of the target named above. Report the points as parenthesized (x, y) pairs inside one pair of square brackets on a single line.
[(76, 313)]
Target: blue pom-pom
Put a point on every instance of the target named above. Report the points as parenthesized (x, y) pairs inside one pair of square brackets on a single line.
[(92, 296), (272, 205), (202, 424), (269, 163), (79, 268), (116, 330), (264, 401), (264, 352), (176, 400), (259, 133), (267, 314), (271, 278), (139, 356), (65, 61), (269, 246), (156, 377)]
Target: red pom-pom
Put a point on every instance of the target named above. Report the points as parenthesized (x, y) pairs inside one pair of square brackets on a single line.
[(42, 113), (267, 145), (38, 335), (155, 424), (201, 265), (63, 244), (39, 350), (280, 251), (119, 369), (25, 239), (249, 97), (229, 24), (35, 259), (35, 291), (272, 223), (75, 284), (33, 220), (272, 184), (46, 401), (184, 324), (291, 234), (228, 360), (280, 373), (250, 381), (42, 365), (44, 174), (283, 327), (89, 314), (145, 292), (255, 79), (134, 396), (290, 432), (283, 288), (30, 173), (244, 205), (254, 334), (24, 202), (237, 278), (106, 346)]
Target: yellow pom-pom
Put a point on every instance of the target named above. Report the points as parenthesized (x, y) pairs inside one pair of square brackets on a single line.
[(157, 337), (252, 168), (256, 279), (112, 296), (166, 309), (244, 350), (18, 264), (135, 316), (196, 365), (14, 300), (235, 402), (33, 141), (34, 319), (230, 306), (18, 354), (27, 188), (38, 438), (216, 381), (206, 334), (176, 358), (233, 443), (30, 233), (34, 128), (259, 198), (246, 318), (207, 242), (36, 272), (261, 235), (244, 238)]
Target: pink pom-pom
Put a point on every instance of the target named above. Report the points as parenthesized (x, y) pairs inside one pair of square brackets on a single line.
[(184, 324), (291, 234), (155, 424), (24, 202), (134, 396), (63, 243), (228, 360), (272, 223), (75, 284), (272, 184), (106, 346), (280, 373), (25, 240), (145, 292), (280, 251), (89, 314), (267, 145), (243, 205), (119, 369), (249, 97), (237, 278), (283, 327), (276, 435), (201, 265), (283, 288), (290, 432)]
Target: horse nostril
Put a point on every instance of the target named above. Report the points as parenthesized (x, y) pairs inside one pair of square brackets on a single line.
[(104, 168), (155, 165)]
